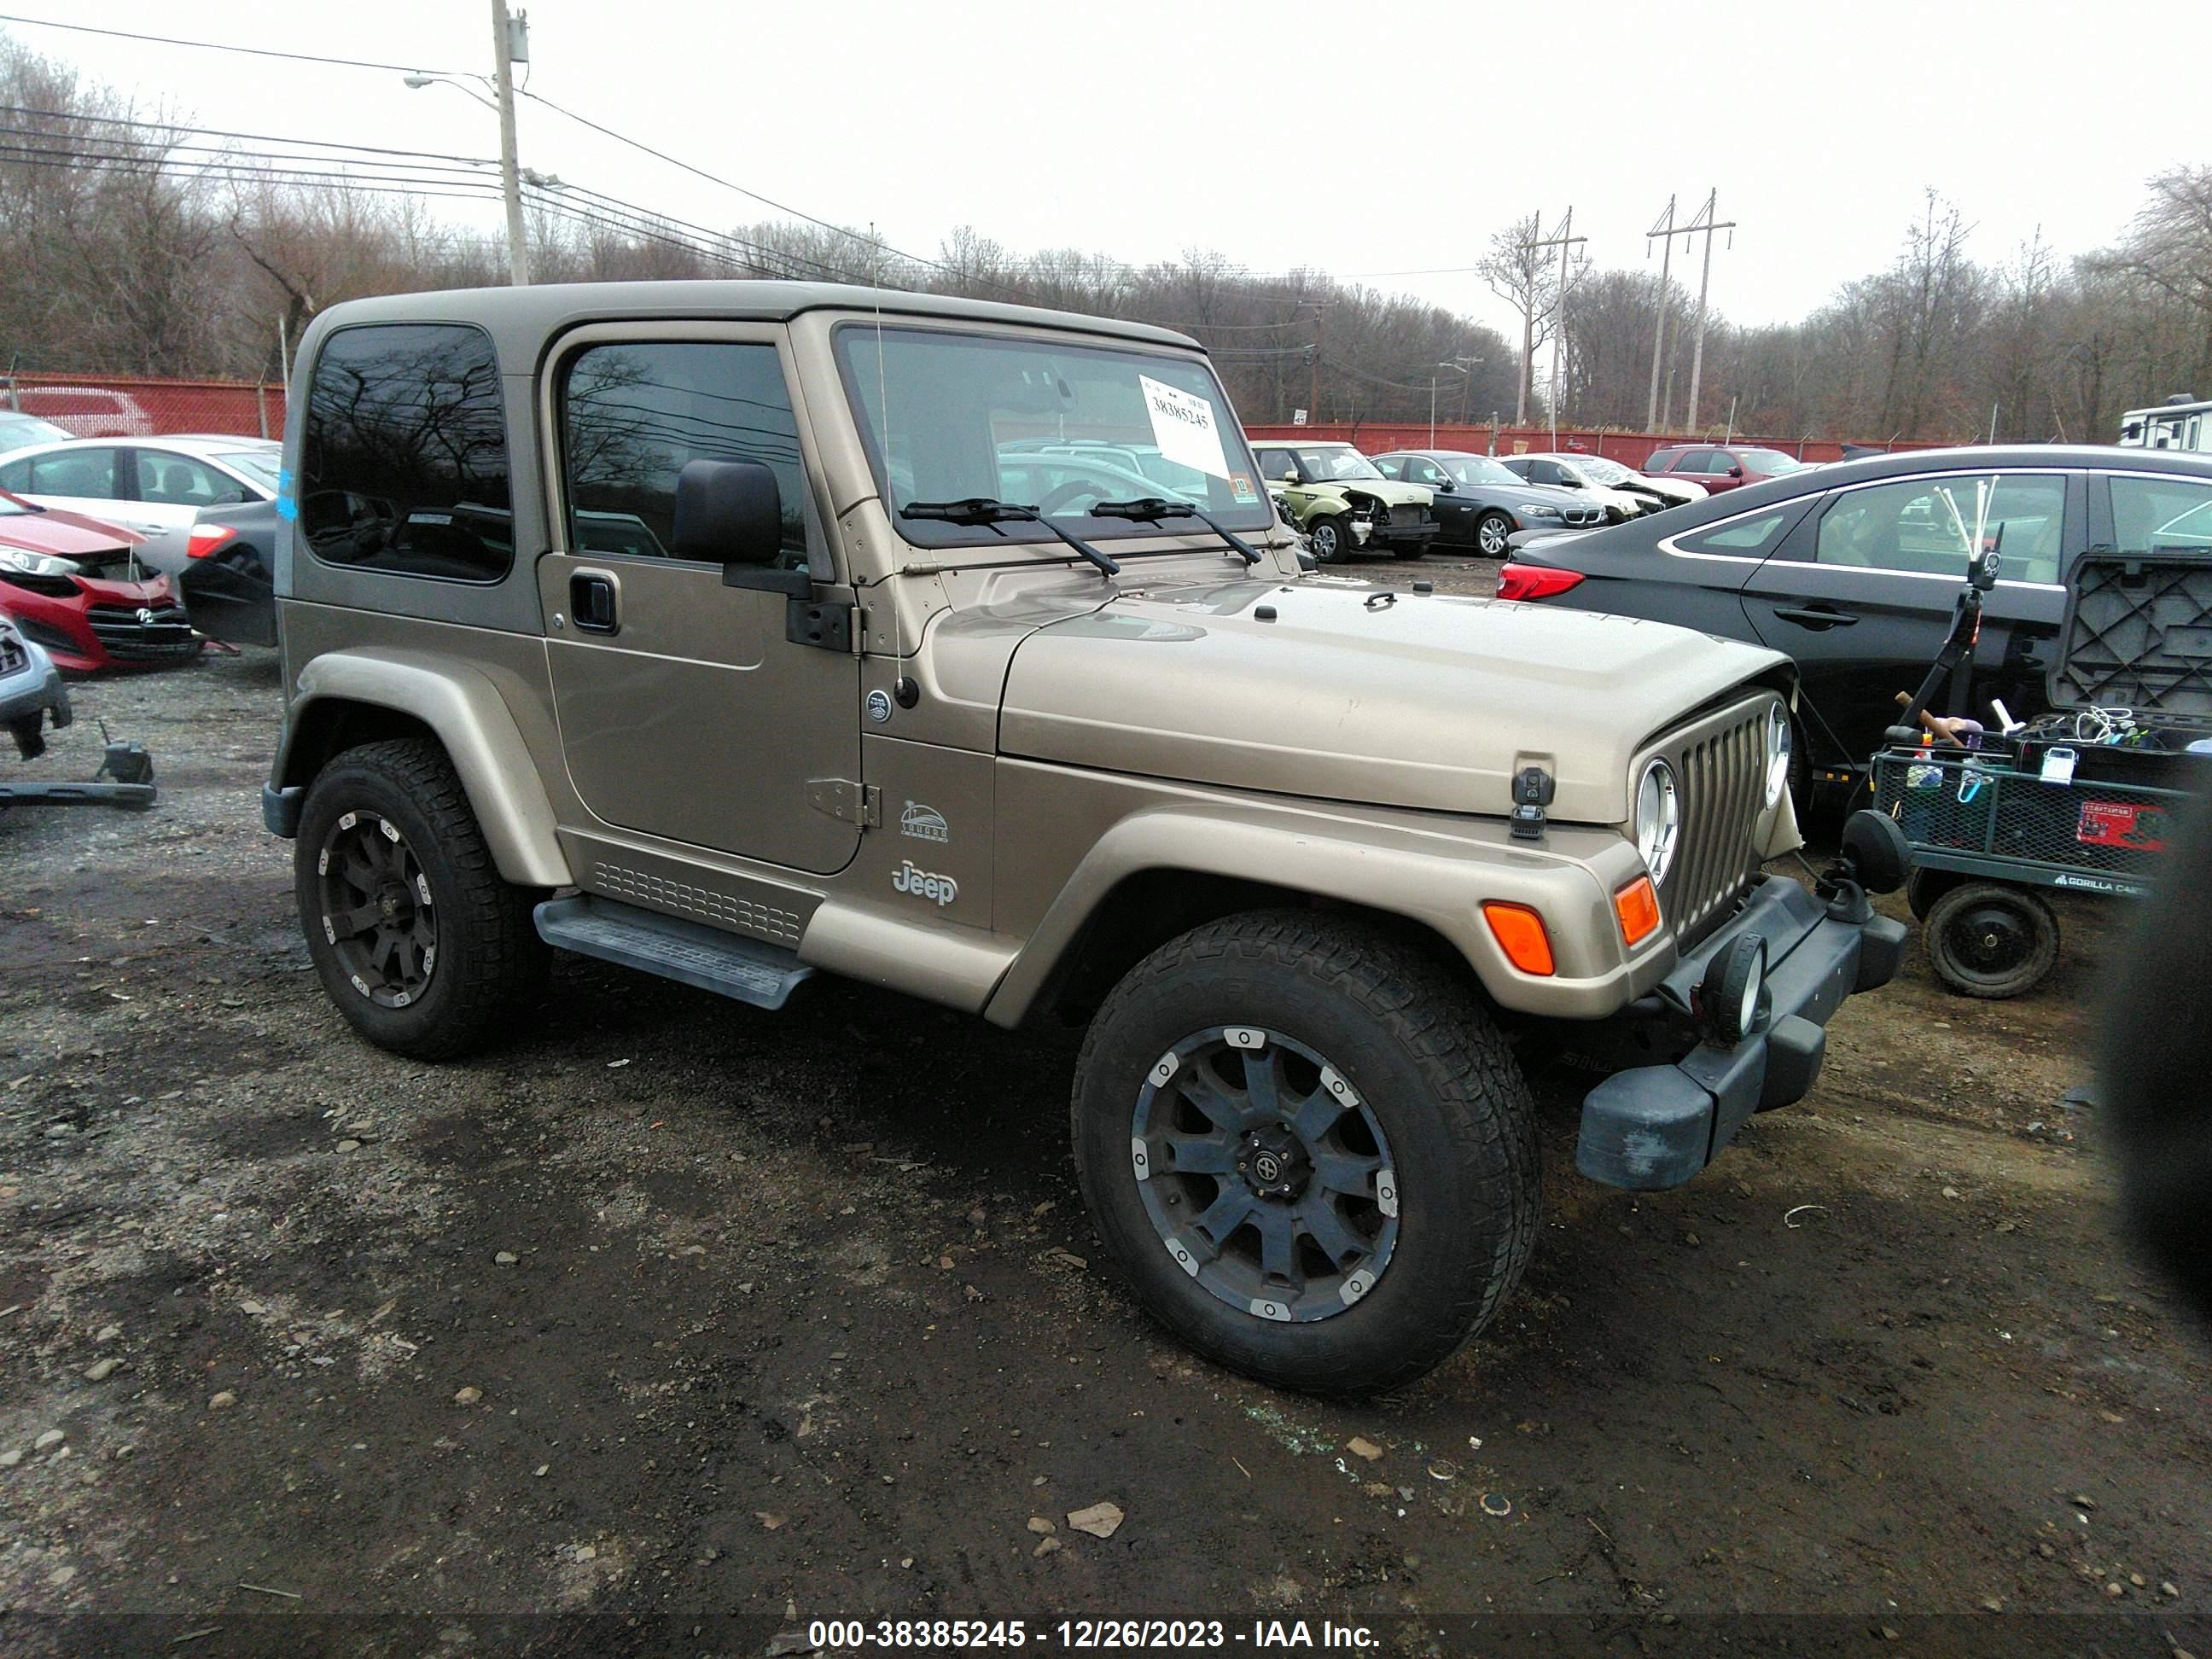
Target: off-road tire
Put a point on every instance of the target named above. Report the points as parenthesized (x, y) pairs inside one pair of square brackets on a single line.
[(490, 963), (1337, 540), (1497, 525), (1419, 1044), (2023, 925)]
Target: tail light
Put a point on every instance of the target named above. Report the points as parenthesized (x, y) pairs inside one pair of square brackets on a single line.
[(206, 538), (1534, 582)]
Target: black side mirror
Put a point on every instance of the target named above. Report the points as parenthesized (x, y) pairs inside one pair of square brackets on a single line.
[(729, 512)]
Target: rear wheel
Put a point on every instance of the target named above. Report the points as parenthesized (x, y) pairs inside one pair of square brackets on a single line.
[(1491, 532), (424, 948), (1985, 940), (1307, 1150)]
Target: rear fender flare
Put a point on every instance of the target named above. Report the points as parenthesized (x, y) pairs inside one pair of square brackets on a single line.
[(464, 709)]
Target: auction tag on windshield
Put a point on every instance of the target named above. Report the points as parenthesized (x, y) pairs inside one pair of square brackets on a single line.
[(1183, 427), (2058, 765)]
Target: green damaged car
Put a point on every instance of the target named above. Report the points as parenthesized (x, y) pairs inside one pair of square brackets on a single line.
[(1343, 505)]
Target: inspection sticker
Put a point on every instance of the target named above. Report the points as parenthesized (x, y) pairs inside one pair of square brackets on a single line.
[(1183, 426)]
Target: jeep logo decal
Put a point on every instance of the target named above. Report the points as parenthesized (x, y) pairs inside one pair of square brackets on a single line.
[(940, 890)]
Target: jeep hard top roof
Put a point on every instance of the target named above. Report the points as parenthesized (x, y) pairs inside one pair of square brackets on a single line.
[(547, 308)]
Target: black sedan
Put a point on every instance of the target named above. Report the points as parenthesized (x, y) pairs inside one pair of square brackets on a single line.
[(1853, 569), (228, 580), (1480, 504)]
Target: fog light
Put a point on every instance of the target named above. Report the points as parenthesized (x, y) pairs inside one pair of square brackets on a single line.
[(1735, 981)]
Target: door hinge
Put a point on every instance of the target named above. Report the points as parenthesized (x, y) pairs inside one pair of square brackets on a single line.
[(847, 801), (828, 627)]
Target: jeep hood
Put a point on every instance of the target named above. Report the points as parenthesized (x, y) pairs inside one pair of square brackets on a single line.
[(1350, 694)]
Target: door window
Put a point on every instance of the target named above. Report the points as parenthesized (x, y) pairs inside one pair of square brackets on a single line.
[(2152, 516), (1276, 464), (1927, 525), (166, 480), (404, 464), (1427, 472), (633, 414), (1390, 466), (87, 473)]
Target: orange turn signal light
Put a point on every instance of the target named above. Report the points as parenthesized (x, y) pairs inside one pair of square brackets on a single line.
[(1519, 934), (1637, 907)]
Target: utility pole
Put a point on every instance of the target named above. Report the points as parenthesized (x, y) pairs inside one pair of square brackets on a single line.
[(1313, 379), (1667, 230), (1706, 221), (1565, 241), (1664, 230), (507, 33)]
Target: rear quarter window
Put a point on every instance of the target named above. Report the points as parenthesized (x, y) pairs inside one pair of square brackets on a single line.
[(404, 465)]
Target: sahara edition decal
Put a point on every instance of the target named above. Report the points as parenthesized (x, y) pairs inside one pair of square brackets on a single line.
[(924, 822)]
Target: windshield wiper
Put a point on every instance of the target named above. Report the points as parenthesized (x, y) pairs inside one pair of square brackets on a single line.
[(983, 509), (1150, 509)]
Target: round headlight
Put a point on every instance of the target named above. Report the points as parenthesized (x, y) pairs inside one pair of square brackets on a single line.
[(1658, 819), (1778, 753)]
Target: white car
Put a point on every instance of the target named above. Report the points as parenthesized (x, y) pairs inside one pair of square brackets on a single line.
[(1612, 475), (155, 486), (1566, 472)]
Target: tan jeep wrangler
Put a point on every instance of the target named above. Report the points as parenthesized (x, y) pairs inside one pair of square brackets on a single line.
[(740, 631)]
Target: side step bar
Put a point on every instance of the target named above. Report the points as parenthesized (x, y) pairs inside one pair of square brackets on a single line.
[(763, 974)]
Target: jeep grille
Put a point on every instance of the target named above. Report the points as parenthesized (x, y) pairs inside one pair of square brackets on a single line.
[(1720, 767)]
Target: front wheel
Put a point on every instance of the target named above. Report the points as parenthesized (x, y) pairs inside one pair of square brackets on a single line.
[(1986, 939), (1307, 1150), (1491, 533), (1331, 539)]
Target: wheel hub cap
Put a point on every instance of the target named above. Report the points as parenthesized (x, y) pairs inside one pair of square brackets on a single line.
[(1272, 1163)]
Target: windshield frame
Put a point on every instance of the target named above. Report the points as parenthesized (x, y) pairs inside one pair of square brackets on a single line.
[(1256, 518)]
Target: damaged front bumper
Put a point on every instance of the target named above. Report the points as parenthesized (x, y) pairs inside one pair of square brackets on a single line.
[(1655, 1126)]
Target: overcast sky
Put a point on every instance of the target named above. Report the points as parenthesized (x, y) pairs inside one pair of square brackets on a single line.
[(1365, 139)]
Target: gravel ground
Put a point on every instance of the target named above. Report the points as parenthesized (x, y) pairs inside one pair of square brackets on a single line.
[(672, 1309)]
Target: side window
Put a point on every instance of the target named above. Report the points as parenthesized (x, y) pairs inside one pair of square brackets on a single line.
[(632, 415), (1427, 472), (175, 480), (1927, 525), (73, 472), (2152, 515), (1698, 463), (1276, 464), (1663, 461), (17, 475), (1743, 538), (1390, 466), (404, 465)]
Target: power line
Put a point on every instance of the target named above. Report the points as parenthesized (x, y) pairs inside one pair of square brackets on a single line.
[(218, 46), (754, 195), (253, 138)]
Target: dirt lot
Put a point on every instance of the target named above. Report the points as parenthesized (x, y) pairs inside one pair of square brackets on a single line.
[(673, 1309)]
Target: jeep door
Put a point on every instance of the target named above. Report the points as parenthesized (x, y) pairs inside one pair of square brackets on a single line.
[(685, 710)]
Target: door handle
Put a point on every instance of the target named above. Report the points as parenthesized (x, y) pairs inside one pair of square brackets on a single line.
[(592, 603), (1817, 619)]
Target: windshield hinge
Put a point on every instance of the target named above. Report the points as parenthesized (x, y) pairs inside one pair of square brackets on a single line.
[(1532, 792), (847, 801), (826, 626)]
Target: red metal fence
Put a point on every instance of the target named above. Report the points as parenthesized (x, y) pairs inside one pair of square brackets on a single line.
[(122, 406), (1629, 448)]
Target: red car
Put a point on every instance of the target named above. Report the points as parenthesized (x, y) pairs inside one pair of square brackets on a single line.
[(73, 584), (1721, 466)]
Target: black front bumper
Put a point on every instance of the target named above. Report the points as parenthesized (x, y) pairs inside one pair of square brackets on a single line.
[(1655, 1126)]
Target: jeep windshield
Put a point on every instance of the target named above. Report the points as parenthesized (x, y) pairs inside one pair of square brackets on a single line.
[(950, 417)]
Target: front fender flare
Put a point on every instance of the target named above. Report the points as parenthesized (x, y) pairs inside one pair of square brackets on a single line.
[(464, 708), (1436, 878)]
